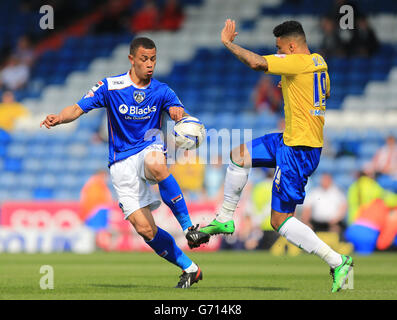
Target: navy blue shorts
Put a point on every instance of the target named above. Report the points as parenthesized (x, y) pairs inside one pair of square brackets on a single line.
[(293, 166)]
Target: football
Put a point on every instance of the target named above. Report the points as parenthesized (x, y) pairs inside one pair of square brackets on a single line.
[(189, 133)]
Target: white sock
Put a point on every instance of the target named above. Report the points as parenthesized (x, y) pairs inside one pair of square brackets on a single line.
[(303, 237), (192, 268), (235, 180)]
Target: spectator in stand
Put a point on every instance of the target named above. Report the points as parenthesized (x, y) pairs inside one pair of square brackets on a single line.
[(14, 75), (249, 234), (362, 192), (96, 200), (325, 207), (10, 111), (260, 207), (364, 41), (147, 18), (335, 15), (172, 16), (332, 44), (267, 96), (24, 51), (375, 226), (385, 159), (115, 18)]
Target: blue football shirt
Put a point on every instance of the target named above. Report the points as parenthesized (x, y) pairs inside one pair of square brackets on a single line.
[(132, 112)]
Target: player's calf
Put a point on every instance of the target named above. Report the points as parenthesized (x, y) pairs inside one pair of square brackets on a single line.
[(143, 222)]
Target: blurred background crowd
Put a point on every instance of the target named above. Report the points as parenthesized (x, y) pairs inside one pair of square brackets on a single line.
[(354, 191)]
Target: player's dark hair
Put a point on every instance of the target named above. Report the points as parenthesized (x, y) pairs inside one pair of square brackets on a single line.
[(289, 28), (141, 42)]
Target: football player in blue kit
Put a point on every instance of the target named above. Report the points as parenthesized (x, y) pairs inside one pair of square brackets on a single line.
[(134, 103)]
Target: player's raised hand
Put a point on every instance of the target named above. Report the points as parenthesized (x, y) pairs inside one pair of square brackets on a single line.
[(229, 31), (176, 113), (51, 121)]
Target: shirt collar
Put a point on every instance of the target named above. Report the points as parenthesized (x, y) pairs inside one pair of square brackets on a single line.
[(129, 81)]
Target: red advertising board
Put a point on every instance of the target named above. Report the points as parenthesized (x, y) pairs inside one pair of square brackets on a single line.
[(46, 216), (41, 215)]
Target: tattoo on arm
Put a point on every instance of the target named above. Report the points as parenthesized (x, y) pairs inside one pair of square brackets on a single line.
[(251, 59)]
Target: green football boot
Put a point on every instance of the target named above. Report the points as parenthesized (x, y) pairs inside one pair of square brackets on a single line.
[(216, 227), (340, 273)]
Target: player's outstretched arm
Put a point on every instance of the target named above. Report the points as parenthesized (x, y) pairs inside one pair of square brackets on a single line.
[(67, 115), (251, 59)]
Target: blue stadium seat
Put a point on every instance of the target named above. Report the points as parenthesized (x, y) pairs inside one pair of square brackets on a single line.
[(5, 137), (8, 180), (346, 164), (43, 193), (344, 181), (368, 149), (207, 118), (225, 120), (326, 165), (12, 164)]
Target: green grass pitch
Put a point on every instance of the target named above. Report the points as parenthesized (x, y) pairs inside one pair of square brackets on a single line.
[(227, 276)]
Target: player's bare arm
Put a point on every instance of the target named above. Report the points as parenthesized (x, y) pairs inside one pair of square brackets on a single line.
[(251, 59), (177, 113), (68, 114)]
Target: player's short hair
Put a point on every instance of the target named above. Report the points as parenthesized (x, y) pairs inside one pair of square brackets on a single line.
[(288, 29), (141, 42)]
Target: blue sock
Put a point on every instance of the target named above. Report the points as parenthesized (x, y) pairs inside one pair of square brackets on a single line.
[(172, 196), (164, 245)]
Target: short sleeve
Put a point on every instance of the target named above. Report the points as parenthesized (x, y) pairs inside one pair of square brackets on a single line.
[(171, 100), (95, 98), (285, 64)]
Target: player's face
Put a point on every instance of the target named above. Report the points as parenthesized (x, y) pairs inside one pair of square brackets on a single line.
[(143, 62), (284, 46)]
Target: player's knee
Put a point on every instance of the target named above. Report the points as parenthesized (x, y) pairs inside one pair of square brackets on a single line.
[(158, 172)]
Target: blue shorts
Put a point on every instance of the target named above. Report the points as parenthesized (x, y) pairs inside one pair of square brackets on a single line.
[(293, 166)]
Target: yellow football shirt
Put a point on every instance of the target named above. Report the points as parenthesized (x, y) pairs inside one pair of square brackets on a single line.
[(304, 84)]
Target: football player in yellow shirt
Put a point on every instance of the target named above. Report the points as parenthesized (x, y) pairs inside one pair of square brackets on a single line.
[(294, 154)]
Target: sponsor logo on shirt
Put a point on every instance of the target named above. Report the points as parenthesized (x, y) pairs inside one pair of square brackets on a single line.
[(315, 112), (136, 112), (123, 109)]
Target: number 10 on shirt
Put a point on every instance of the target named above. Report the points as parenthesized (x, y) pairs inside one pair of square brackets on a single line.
[(319, 85)]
